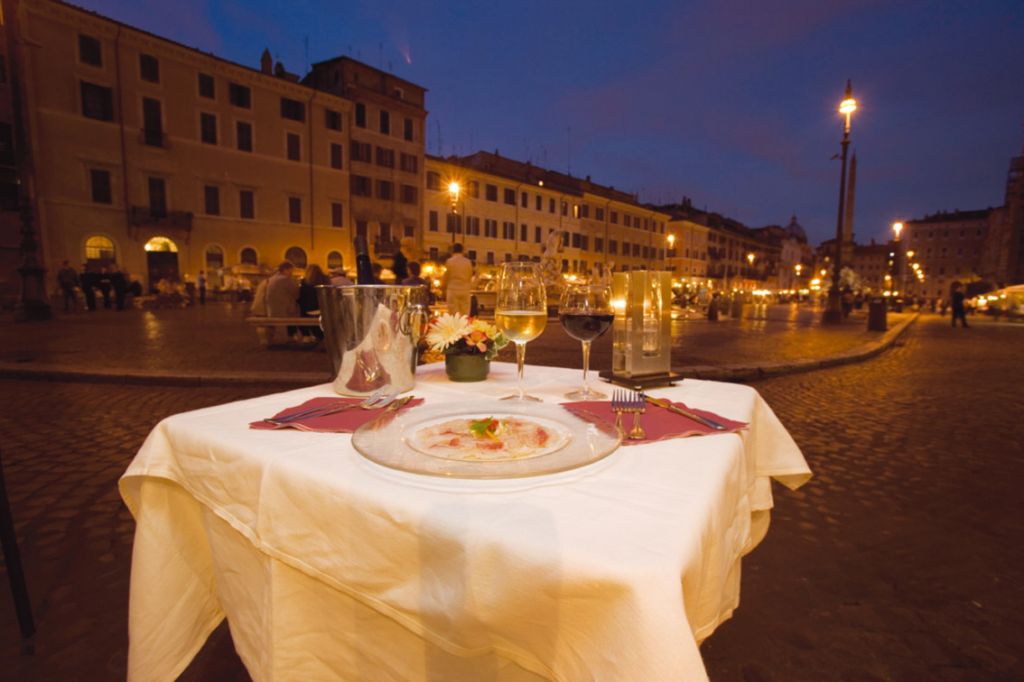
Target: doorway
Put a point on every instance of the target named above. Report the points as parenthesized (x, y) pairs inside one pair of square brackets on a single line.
[(162, 261)]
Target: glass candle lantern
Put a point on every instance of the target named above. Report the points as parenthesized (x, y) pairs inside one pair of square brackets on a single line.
[(642, 331)]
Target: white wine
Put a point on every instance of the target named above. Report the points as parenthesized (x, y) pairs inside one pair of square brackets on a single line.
[(521, 325)]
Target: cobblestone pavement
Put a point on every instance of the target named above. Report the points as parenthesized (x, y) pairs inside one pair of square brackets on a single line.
[(215, 337), (900, 560)]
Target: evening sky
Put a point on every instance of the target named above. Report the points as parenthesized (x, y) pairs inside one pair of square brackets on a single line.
[(729, 102)]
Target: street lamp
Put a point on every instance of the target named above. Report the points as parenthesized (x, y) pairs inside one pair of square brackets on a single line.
[(454, 190), (834, 312)]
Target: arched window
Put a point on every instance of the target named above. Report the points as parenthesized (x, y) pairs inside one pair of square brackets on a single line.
[(161, 244), (334, 260), (100, 251), (214, 257), (296, 257), (248, 256)]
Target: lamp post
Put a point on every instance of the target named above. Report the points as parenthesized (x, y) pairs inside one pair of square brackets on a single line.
[(454, 190), (671, 240), (796, 280), (897, 266), (834, 312), (750, 263)]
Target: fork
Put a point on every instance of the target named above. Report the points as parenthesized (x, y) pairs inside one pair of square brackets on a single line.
[(379, 398), (619, 405), (637, 405)]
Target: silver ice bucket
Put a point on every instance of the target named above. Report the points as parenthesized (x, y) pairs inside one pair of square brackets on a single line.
[(371, 331)]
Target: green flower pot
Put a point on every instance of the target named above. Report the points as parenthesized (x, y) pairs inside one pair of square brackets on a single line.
[(467, 367)]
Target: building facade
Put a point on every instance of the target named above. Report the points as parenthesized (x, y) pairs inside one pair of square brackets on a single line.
[(687, 255), (948, 248), (508, 210), (163, 160)]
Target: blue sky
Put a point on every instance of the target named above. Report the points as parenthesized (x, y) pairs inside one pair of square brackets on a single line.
[(729, 102)]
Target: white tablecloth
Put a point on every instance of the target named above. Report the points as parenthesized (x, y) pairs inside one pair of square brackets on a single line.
[(331, 567)]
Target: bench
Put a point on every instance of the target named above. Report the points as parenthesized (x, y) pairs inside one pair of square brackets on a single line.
[(266, 327)]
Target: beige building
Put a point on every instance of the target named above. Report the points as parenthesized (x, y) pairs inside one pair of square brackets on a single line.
[(687, 243), (164, 160), (948, 247), (509, 210)]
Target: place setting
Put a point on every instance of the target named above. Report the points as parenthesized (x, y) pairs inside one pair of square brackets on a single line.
[(506, 436)]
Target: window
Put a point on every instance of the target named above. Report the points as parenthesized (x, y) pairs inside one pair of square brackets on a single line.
[(433, 253), (408, 195), (584, 211), (473, 225), (99, 249), (408, 135), (361, 228), (294, 213), (551, 205), (152, 122), (409, 163), (336, 215), (508, 230), (246, 204), (510, 197), (248, 256), (241, 96), (335, 155), (524, 200), (157, 197), (293, 110), (385, 122), (211, 200), (613, 246), (627, 220), (334, 260), (332, 119), (490, 258), (207, 88), (537, 234), (565, 208), (538, 202), (410, 230), (490, 228), (362, 151), (208, 128), (432, 221), (149, 68), (575, 240), (433, 181), (360, 186), (385, 157), (296, 256), (100, 181), (385, 232), (471, 255), (615, 217), (474, 189), (599, 213), (524, 232), (385, 190), (89, 51), (214, 257), (294, 147), (360, 115), (491, 192), (243, 136), (598, 244), (97, 102)]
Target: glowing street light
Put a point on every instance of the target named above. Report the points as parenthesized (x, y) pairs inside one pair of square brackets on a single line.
[(834, 312), (454, 189)]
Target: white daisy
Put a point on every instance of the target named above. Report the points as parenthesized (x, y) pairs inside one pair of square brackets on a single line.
[(446, 330)]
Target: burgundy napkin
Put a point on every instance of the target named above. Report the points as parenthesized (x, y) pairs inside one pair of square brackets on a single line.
[(345, 421), (659, 423)]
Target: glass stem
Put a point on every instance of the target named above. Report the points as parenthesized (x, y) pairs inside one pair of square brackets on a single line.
[(586, 365), (520, 362)]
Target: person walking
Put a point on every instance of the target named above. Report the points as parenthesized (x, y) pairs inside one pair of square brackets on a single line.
[(458, 281), (104, 285), (88, 282), (959, 309), (201, 281), (283, 294), (67, 278), (120, 284)]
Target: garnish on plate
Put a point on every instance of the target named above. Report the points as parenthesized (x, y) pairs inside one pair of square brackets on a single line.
[(488, 427)]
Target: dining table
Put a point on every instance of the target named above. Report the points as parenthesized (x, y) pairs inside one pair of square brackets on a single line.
[(329, 566)]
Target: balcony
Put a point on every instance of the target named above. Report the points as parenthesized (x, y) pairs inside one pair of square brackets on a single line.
[(385, 247), (153, 138), (144, 216)]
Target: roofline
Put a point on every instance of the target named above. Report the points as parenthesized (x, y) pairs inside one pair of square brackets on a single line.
[(210, 55), (346, 58)]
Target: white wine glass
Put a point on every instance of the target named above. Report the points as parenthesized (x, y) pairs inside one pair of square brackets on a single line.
[(585, 311), (521, 312)]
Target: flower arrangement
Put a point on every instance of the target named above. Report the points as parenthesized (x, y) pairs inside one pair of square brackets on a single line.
[(461, 335)]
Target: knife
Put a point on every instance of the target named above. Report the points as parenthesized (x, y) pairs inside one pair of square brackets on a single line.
[(671, 407)]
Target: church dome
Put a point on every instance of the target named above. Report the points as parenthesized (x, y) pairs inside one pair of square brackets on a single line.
[(795, 231)]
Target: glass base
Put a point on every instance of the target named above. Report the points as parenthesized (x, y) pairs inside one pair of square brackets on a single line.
[(524, 397), (585, 393)]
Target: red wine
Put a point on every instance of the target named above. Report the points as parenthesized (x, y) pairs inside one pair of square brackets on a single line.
[(586, 327)]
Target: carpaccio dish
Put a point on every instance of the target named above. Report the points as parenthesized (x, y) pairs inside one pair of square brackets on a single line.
[(488, 438)]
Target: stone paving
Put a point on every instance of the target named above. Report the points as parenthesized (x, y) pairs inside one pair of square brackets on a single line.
[(900, 560), (214, 339)]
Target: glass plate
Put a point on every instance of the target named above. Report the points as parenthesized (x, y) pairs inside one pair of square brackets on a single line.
[(416, 441)]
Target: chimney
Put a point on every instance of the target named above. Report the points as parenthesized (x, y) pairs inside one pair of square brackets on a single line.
[(266, 62), (279, 70)]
